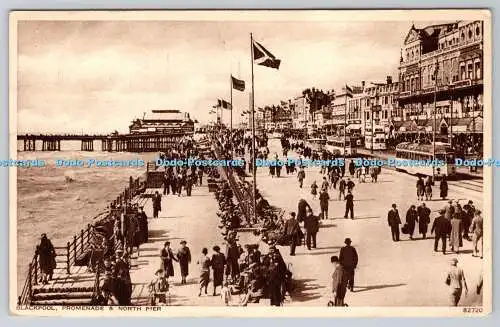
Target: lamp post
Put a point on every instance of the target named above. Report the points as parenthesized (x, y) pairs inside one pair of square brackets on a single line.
[(434, 119), (374, 106)]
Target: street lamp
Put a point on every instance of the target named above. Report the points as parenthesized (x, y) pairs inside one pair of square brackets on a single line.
[(373, 108)]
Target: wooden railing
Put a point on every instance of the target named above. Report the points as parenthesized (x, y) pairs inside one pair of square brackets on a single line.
[(68, 255), (244, 199)]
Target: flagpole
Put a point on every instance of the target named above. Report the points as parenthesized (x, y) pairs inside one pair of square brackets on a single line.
[(254, 169), (231, 106)]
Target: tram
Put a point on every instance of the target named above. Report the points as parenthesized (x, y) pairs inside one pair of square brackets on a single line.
[(378, 139), (408, 151), (335, 145)]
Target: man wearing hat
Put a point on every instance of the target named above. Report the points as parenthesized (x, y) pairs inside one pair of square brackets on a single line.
[(121, 275), (441, 227), (456, 281), (348, 258), (292, 232), (394, 221)]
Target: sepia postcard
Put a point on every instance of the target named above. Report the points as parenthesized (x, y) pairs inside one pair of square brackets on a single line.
[(311, 163)]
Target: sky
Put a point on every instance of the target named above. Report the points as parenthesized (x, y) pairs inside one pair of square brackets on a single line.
[(97, 76)]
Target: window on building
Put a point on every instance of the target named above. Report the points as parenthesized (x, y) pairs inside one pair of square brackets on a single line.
[(477, 69), (478, 31), (470, 33), (463, 36), (463, 75), (470, 71)]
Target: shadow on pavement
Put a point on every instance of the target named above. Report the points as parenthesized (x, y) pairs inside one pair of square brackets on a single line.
[(302, 290), (358, 289)]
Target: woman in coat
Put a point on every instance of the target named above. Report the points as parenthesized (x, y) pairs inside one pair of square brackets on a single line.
[(184, 257), (218, 261), (456, 231), (411, 219), (47, 259), (167, 257)]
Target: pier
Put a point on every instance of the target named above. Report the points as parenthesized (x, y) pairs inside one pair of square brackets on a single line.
[(142, 142), (72, 284)]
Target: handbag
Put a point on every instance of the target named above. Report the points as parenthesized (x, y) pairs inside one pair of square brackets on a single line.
[(404, 229)]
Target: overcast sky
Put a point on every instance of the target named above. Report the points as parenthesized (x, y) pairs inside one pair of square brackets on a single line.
[(96, 76)]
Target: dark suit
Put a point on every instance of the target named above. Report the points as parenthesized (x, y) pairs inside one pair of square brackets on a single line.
[(311, 225), (292, 232), (302, 209), (349, 205), (156, 205), (348, 258), (441, 227), (394, 221)]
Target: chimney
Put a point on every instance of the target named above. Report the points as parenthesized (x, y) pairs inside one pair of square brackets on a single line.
[(389, 79), (363, 85)]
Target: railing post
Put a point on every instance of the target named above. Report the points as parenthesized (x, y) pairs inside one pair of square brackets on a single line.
[(67, 258), (30, 288), (74, 248), (36, 269), (88, 233), (81, 241)]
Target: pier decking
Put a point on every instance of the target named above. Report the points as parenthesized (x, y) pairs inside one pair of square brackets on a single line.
[(147, 142)]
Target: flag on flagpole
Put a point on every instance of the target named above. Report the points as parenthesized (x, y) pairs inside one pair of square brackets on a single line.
[(263, 57), (348, 91), (223, 104), (238, 84)]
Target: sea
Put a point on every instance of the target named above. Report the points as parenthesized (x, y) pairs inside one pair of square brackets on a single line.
[(60, 201)]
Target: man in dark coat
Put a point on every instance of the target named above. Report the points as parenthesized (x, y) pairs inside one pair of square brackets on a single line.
[(232, 256), (339, 282), (302, 208), (423, 219), (292, 232), (411, 220), (311, 225), (143, 225), (323, 203), (348, 258), (349, 205), (156, 204), (352, 168), (393, 220), (121, 276), (467, 217), (441, 228)]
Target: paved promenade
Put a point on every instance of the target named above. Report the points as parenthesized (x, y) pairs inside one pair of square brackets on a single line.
[(408, 273)]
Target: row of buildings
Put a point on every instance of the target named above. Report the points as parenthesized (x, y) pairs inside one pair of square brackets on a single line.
[(440, 78)]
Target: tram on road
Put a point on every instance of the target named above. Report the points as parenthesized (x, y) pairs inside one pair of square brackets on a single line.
[(378, 138), (408, 151), (316, 144), (335, 145)]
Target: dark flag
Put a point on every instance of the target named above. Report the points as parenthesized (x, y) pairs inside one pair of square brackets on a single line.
[(348, 91), (238, 84), (263, 57), (223, 104)]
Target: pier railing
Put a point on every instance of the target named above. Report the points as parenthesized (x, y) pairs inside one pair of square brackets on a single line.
[(80, 244)]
